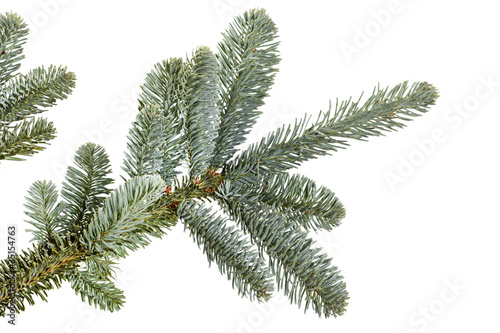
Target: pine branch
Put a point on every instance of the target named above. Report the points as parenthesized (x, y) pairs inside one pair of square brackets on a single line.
[(30, 94), (224, 245), (300, 270), (385, 110), (298, 199), (25, 138), (85, 187), (121, 223), (95, 291), (202, 112), (247, 57), (43, 210), (13, 32)]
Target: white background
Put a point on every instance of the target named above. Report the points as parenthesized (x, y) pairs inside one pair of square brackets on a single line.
[(419, 253)]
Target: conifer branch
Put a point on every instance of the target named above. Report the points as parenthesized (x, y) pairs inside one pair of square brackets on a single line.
[(287, 147), (197, 112), (13, 32), (85, 187), (95, 291), (43, 210), (36, 271), (299, 199), (165, 87), (101, 266), (247, 56), (30, 94), (24, 95), (25, 138), (122, 222), (300, 270), (146, 140), (224, 245), (119, 224), (202, 114)]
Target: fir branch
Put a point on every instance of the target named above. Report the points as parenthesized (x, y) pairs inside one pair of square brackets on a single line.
[(24, 95), (154, 145), (13, 32), (224, 245), (247, 57), (30, 94), (35, 271), (97, 292), (85, 187), (300, 270), (122, 222), (385, 110), (299, 199), (101, 266), (178, 118), (165, 87), (43, 210), (202, 112), (145, 142), (25, 138)]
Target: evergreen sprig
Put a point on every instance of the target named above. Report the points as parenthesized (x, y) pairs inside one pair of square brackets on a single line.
[(232, 253), (84, 256), (202, 112), (96, 291), (155, 140), (193, 113), (287, 147), (43, 210), (85, 187), (121, 223), (25, 138), (13, 35), (300, 270), (147, 138), (247, 57), (31, 93), (299, 199), (24, 95), (35, 271)]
